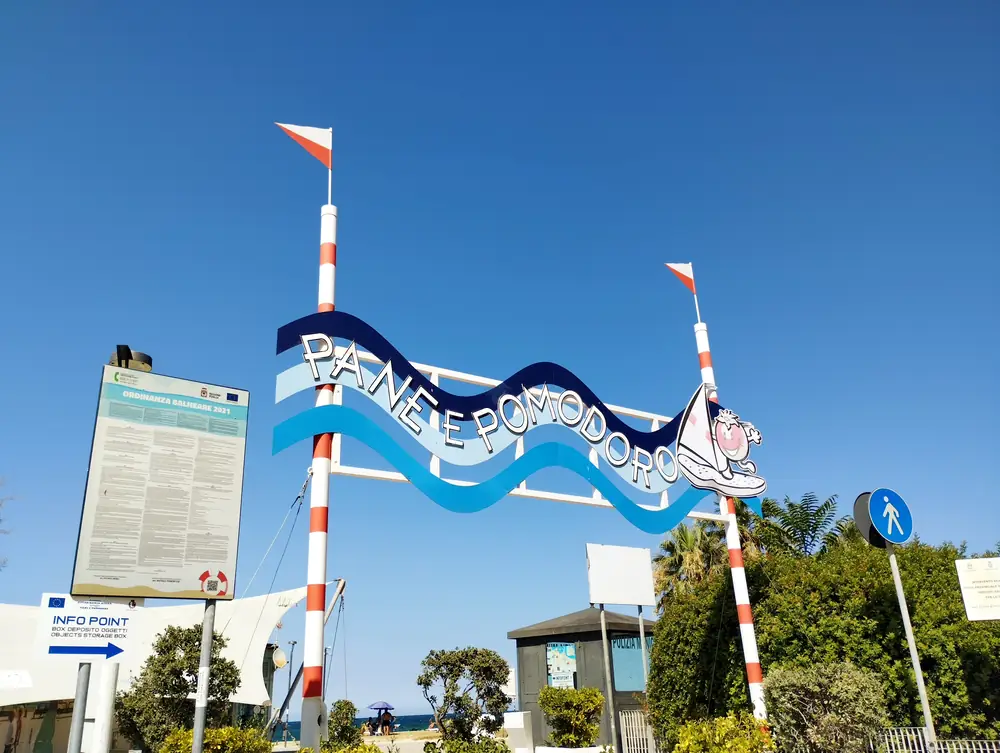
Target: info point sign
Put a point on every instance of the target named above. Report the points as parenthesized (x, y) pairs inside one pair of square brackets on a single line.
[(85, 629)]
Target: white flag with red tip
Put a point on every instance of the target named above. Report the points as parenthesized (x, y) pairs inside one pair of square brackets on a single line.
[(685, 273), (317, 141)]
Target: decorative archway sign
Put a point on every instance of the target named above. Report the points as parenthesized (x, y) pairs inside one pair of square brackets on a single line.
[(704, 444), (700, 445)]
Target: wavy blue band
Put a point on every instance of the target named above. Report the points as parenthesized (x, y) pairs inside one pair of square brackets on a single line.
[(348, 327), (466, 499)]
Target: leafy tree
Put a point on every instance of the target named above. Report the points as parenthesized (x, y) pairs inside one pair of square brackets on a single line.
[(342, 728), (159, 700), (825, 708), (464, 688), (574, 715), (692, 553), (696, 662), (839, 605)]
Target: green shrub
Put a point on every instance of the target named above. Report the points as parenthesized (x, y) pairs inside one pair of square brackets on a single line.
[(574, 715), (729, 734), (455, 745), (825, 708), (222, 740), (342, 730)]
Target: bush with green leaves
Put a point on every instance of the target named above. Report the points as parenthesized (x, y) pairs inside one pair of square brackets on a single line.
[(825, 708), (465, 690), (342, 731), (454, 745), (728, 734), (574, 715), (838, 605), (221, 740)]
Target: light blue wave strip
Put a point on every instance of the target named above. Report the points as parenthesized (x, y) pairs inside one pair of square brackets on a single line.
[(466, 499), (298, 378)]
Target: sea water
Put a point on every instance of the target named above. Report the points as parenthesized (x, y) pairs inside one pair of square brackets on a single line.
[(407, 723)]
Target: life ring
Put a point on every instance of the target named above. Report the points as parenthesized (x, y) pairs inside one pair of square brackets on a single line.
[(214, 585)]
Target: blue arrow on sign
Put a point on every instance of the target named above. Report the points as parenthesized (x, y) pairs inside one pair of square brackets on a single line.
[(890, 516), (107, 651)]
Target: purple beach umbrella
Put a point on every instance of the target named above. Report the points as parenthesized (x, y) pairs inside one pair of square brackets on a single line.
[(381, 706)]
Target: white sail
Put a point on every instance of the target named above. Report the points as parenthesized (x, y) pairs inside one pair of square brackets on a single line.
[(696, 436)]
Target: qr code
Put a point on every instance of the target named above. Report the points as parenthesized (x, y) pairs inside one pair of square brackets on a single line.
[(212, 586)]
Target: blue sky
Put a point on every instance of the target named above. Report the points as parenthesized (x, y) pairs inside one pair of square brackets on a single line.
[(510, 179)]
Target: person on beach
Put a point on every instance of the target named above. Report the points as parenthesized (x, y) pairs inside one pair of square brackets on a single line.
[(386, 722)]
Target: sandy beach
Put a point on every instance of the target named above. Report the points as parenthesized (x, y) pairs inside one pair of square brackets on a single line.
[(403, 742)]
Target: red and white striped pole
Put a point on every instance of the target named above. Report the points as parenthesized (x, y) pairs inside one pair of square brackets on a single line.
[(727, 507), (313, 711)]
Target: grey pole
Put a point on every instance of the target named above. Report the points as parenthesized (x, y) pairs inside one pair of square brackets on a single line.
[(79, 708), (914, 656), (291, 663), (642, 640), (326, 672), (204, 664), (609, 681)]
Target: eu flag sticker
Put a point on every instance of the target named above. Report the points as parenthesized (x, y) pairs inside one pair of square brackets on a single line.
[(232, 397), (57, 602)]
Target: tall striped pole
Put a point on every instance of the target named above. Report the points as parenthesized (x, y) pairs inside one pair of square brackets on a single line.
[(319, 514), (727, 507)]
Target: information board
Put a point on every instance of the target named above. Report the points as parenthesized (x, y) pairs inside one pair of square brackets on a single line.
[(161, 511), (560, 660), (980, 582)]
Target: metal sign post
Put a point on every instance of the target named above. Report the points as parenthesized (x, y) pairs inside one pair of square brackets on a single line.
[(609, 681), (204, 668), (912, 643), (884, 519), (79, 708)]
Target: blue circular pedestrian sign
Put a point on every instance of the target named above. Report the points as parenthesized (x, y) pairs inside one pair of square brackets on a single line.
[(890, 516)]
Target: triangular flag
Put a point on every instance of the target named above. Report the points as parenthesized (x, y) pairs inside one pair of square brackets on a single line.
[(685, 273), (317, 141)]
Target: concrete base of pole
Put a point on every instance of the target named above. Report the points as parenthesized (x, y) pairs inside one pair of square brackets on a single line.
[(312, 723)]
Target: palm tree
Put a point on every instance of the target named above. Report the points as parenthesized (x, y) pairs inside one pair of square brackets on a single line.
[(807, 523), (686, 557), (844, 533)]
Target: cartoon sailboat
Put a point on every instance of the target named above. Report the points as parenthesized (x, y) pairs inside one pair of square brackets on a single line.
[(706, 448)]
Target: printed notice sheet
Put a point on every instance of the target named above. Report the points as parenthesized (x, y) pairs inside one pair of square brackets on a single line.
[(161, 513)]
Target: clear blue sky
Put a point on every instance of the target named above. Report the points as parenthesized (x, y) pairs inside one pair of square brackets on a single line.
[(833, 173)]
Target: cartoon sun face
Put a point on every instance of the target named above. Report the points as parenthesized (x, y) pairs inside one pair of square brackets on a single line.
[(731, 437)]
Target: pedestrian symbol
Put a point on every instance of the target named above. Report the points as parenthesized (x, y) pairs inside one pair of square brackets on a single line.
[(890, 516)]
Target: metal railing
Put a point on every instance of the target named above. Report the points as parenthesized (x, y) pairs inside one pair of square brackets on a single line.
[(914, 740), (637, 737)]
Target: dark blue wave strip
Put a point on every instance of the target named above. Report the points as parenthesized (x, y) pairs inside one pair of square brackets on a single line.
[(349, 327)]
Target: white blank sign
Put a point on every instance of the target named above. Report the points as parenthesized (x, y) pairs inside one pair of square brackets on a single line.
[(620, 575)]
